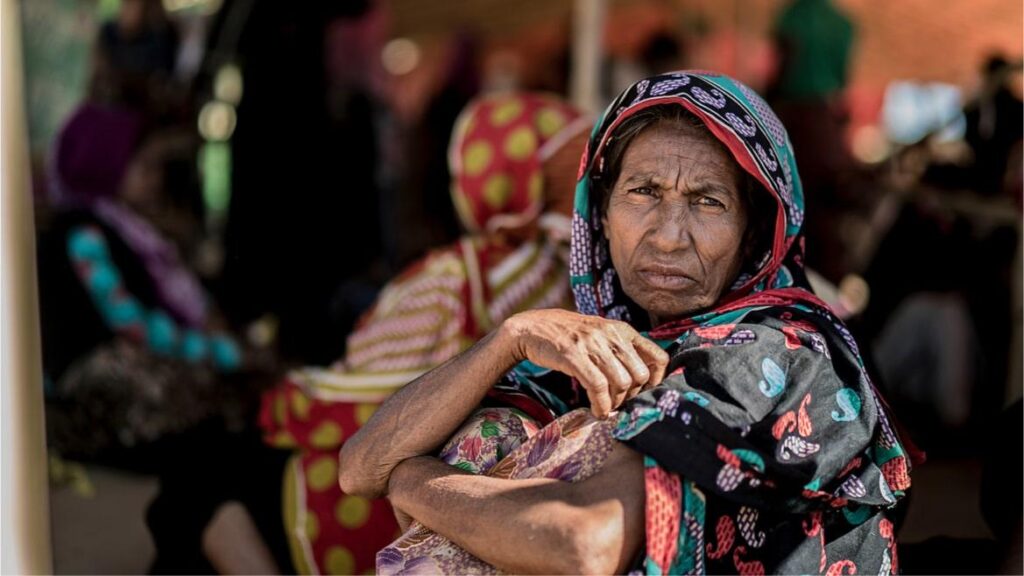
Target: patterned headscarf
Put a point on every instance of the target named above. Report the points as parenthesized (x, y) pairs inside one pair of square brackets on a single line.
[(496, 156), (755, 137)]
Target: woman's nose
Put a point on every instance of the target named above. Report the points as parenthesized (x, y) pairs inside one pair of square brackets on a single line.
[(671, 228)]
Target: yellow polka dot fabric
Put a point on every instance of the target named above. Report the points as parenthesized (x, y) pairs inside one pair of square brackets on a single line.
[(364, 411), (521, 143), (478, 156), (549, 122), (322, 473), (327, 434), (352, 511), (507, 111), (339, 560), (300, 406), (280, 410), (497, 190), (495, 157)]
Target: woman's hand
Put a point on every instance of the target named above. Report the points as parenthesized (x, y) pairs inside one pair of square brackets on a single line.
[(610, 359)]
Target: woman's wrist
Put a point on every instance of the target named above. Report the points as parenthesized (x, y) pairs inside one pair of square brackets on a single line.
[(508, 338), (413, 474), (402, 478), (396, 480)]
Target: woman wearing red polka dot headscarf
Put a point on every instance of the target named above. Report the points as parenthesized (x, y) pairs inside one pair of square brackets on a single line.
[(513, 159)]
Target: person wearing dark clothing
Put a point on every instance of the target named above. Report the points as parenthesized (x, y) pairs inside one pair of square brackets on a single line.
[(303, 188), (995, 123), (131, 348)]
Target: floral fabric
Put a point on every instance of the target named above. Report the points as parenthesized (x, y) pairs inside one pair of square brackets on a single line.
[(572, 448)]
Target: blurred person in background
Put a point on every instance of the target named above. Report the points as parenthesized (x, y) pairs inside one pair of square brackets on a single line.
[(140, 42), (941, 316), (814, 41), (513, 158), (304, 214), (134, 61), (995, 125), (132, 347), (427, 179), (988, 163), (661, 52)]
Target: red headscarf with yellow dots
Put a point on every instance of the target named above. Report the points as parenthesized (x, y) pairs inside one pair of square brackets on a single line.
[(496, 156)]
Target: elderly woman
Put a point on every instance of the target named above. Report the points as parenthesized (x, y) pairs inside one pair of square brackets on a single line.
[(737, 430)]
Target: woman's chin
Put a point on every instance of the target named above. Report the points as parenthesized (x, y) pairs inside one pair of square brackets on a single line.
[(665, 308)]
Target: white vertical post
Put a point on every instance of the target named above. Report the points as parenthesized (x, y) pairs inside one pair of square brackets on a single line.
[(587, 50), (25, 520)]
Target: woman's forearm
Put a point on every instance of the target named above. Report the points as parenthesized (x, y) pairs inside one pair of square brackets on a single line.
[(421, 416), (536, 525), (496, 520)]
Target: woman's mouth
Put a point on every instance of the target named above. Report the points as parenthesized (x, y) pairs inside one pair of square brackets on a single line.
[(665, 278)]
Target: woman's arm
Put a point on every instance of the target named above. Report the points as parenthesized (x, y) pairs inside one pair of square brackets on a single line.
[(609, 359), (536, 525), (422, 415)]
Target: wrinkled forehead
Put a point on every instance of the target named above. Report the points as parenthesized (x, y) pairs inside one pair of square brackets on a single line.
[(668, 146), (689, 125)]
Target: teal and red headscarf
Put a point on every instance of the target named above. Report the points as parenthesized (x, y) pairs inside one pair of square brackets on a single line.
[(743, 122)]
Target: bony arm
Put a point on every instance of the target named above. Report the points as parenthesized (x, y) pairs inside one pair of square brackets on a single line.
[(535, 525), (422, 415)]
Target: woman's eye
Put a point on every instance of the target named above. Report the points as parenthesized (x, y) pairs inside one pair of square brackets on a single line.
[(642, 190), (709, 201)]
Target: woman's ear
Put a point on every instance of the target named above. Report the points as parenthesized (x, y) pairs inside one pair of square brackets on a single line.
[(604, 225)]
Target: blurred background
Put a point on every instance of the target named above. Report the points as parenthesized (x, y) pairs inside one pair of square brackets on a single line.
[(282, 161)]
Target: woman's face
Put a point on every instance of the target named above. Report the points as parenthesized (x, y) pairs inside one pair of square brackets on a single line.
[(675, 222)]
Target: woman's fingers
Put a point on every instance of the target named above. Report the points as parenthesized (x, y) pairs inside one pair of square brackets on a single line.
[(619, 379), (629, 364), (594, 382), (632, 361), (646, 360), (654, 357), (600, 401)]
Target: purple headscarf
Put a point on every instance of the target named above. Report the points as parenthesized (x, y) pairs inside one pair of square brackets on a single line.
[(92, 154)]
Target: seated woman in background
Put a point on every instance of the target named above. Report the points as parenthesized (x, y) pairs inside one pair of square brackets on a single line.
[(131, 351), (513, 158), (737, 430)]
